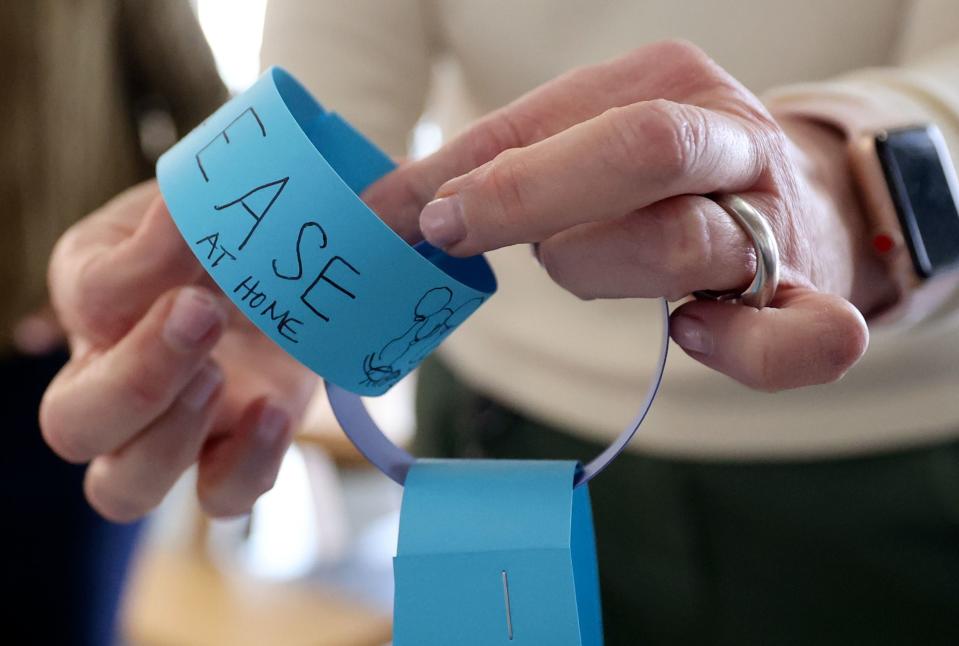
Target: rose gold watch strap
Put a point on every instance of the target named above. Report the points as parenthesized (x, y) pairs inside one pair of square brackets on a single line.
[(860, 117)]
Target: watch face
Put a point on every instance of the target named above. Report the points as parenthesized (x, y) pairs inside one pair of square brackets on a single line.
[(922, 183)]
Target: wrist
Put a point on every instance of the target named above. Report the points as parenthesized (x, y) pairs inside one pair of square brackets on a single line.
[(843, 235)]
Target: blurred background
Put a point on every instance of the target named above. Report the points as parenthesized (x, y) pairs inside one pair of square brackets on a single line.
[(838, 519)]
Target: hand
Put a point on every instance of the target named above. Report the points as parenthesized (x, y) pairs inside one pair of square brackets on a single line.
[(164, 372), (605, 170)]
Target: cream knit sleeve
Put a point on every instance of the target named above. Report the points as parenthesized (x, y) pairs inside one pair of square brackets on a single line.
[(367, 59), (922, 84)]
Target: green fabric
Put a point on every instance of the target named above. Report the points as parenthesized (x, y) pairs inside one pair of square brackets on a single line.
[(851, 551)]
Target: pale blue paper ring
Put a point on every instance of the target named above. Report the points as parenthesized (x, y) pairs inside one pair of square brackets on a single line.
[(395, 461), (265, 193)]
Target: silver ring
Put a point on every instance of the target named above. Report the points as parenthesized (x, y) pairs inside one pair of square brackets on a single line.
[(761, 291)]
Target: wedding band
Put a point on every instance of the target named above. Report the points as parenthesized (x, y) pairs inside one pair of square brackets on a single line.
[(761, 291)]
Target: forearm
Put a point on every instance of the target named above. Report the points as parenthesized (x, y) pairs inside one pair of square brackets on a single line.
[(821, 151)]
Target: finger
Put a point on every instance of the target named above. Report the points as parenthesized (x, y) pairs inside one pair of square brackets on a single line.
[(118, 218), (620, 161), (810, 338), (132, 481), (673, 70), (101, 400), (239, 466), (111, 267), (670, 248)]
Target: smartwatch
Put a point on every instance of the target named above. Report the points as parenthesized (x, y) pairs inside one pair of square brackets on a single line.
[(907, 186)]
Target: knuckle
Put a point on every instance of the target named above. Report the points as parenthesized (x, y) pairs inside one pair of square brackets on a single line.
[(673, 133), (676, 133), (503, 182), (678, 68), (680, 52), (686, 248), (689, 70), (681, 48)]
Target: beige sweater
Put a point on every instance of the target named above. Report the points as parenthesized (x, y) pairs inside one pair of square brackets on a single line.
[(585, 366)]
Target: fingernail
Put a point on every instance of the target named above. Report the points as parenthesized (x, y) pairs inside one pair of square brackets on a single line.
[(441, 221), (200, 390), (272, 422), (691, 334), (193, 315)]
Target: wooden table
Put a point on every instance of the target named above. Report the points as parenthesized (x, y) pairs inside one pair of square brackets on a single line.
[(178, 598)]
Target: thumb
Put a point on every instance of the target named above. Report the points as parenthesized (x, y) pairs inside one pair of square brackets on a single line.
[(810, 338)]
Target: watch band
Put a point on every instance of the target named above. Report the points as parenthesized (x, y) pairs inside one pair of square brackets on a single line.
[(862, 118)]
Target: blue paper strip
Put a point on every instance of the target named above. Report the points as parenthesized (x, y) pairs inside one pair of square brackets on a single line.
[(395, 462), (496, 552), (265, 193)]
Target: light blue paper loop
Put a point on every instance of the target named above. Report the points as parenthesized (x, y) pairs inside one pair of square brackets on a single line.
[(496, 552), (265, 193)]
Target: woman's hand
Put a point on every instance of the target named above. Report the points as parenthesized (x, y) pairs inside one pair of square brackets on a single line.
[(164, 372), (605, 170)]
